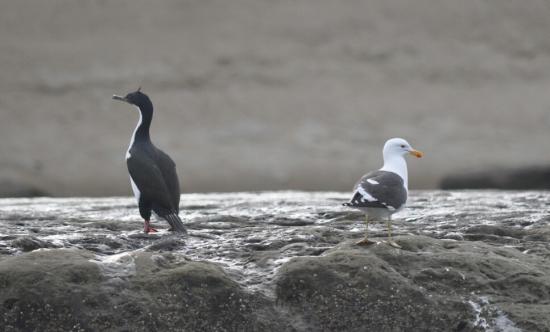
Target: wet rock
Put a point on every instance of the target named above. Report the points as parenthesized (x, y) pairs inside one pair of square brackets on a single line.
[(469, 260), (517, 179), (540, 235), (348, 291), (428, 285), (453, 236), (30, 243), (47, 290), (499, 231), (218, 222), (168, 244), (68, 290), (99, 243), (113, 225), (291, 222)]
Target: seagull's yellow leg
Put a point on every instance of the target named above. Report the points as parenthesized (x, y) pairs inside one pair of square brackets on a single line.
[(366, 241), (390, 240)]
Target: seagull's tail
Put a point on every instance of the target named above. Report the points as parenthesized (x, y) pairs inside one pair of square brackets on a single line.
[(175, 222)]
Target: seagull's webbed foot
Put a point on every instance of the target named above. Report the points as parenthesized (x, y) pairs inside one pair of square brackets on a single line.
[(365, 241)]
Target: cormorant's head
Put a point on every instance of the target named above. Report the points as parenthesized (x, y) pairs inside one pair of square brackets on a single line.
[(136, 98)]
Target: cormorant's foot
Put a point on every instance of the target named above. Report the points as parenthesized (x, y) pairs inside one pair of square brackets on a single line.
[(365, 242), (394, 244), (149, 229)]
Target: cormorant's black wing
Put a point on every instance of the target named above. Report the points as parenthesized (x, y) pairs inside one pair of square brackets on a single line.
[(149, 179), (168, 170)]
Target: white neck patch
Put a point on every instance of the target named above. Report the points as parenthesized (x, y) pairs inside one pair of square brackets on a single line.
[(128, 155)]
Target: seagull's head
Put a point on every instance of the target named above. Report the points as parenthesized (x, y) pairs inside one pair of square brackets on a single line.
[(399, 146), (136, 98)]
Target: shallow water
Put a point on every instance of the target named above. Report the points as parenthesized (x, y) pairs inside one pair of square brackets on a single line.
[(252, 234)]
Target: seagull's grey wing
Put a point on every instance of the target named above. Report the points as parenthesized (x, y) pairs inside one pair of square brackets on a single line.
[(379, 189)]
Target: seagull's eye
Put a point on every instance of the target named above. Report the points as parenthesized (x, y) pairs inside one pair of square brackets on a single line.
[(403, 146)]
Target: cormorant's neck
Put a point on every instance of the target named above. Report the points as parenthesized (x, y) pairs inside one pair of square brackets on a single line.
[(141, 133)]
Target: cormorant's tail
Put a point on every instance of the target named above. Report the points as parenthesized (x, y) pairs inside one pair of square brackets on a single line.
[(176, 223)]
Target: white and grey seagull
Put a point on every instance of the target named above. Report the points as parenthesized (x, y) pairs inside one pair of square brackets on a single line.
[(381, 193)]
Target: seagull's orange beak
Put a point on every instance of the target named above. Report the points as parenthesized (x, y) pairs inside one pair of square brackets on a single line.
[(416, 153)]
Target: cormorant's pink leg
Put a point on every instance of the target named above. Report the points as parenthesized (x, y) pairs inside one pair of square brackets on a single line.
[(147, 227)]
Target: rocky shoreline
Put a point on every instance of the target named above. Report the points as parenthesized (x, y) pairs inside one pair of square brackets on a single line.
[(277, 261)]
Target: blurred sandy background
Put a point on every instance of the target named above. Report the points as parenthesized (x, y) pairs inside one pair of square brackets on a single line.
[(270, 94)]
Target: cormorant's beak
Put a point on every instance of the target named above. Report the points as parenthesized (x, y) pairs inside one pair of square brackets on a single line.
[(115, 97), (416, 153)]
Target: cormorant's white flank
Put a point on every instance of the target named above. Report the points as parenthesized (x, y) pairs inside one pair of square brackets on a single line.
[(152, 172), (381, 193)]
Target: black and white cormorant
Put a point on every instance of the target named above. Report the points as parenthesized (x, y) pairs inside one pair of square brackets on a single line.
[(152, 172)]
